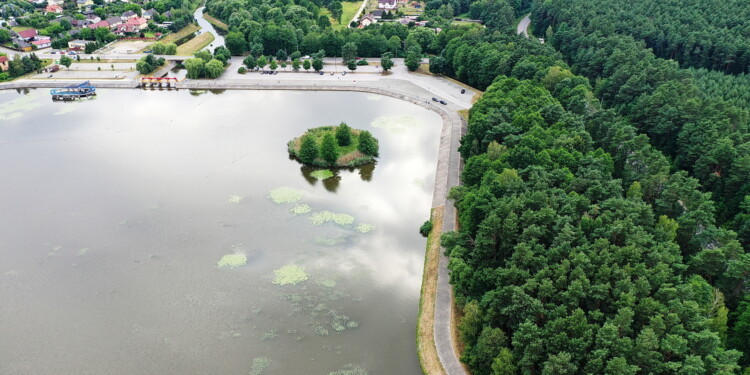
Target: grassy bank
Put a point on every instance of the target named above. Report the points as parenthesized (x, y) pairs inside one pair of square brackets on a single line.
[(196, 44), (215, 22), (180, 35), (426, 350)]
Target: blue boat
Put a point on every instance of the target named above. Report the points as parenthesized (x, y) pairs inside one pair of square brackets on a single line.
[(73, 92)]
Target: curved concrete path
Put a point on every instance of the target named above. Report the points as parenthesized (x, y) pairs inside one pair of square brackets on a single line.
[(523, 26), (418, 91)]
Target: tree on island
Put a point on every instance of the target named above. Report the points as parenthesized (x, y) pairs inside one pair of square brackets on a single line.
[(328, 149), (368, 145), (308, 151), (344, 135)]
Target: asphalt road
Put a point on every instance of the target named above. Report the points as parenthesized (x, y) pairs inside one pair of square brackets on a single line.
[(523, 26)]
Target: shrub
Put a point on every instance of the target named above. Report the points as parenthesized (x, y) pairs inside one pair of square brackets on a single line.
[(241, 70), (308, 151), (426, 228)]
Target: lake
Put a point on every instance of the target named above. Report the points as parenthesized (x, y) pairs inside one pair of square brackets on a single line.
[(118, 211)]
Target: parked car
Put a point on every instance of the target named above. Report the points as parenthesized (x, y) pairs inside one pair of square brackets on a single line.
[(321, 72), (72, 53), (435, 99), (305, 57), (149, 51), (275, 72), (443, 102), (463, 91), (343, 74), (54, 52)]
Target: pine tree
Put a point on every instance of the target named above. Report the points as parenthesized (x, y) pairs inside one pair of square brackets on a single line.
[(343, 135), (368, 145), (308, 150), (328, 149)]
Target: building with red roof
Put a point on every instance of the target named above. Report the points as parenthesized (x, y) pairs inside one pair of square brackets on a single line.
[(4, 63), (53, 9), (28, 34), (99, 24)]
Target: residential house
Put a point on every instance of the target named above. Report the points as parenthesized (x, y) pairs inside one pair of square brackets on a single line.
[(84, 3), (55, 2), (42, 42), (93, 18), (139, 22), (97, 25), (387, 4), (125, 28), (149, 14), (53, 9), (4, 63), (78, 44), (128, 15), (378, 14), (27, 35), (114, 21), (167, 14), (367, 20)]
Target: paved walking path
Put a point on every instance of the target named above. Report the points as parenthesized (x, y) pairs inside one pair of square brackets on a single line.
[(523, 26), (410, 87)]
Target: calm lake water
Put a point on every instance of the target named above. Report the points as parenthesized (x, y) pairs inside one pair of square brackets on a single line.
[(116, 211)]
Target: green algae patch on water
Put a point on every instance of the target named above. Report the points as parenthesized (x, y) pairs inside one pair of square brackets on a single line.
[(17, 107), (364, 228), (260, 364), (322, 217), (236, 199), (291, 274), (232, 261), (350, 370), (328, 241), (301, 209), (396, 124), (322, 174), (285, 195)]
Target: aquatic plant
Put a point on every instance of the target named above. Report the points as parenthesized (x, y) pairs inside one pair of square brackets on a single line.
[(290, 274), (284, 194), (322, 174), (364, 228), (350, 369), (328, 283), (327, 241), (301, 209), (270, 335), (260, 364), (16, 107), (236, 199), (83, 251), (232, 261), (396, 124), (352, 324), (320, 330), (322, 217)]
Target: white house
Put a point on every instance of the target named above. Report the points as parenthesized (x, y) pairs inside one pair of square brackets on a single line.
[(387, 4)]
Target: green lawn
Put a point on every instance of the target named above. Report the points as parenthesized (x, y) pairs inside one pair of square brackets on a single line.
[(20, 28), (214, 21), (185, 31), (349, 9), (194, 45)]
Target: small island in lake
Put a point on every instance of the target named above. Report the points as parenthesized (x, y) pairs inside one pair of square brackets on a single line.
[(334, 146)]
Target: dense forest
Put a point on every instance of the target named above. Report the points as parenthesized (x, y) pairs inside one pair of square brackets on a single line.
[(606, 198), (701, 34)]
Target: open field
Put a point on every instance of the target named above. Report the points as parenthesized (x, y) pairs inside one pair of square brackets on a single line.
[(215, 22), (185, 31), (426, 350), (349, 9), (196, 44)]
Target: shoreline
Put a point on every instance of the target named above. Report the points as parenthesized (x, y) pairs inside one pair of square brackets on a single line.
[(448, 169)]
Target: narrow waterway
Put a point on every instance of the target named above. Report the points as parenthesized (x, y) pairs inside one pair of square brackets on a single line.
[(207, 27)]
